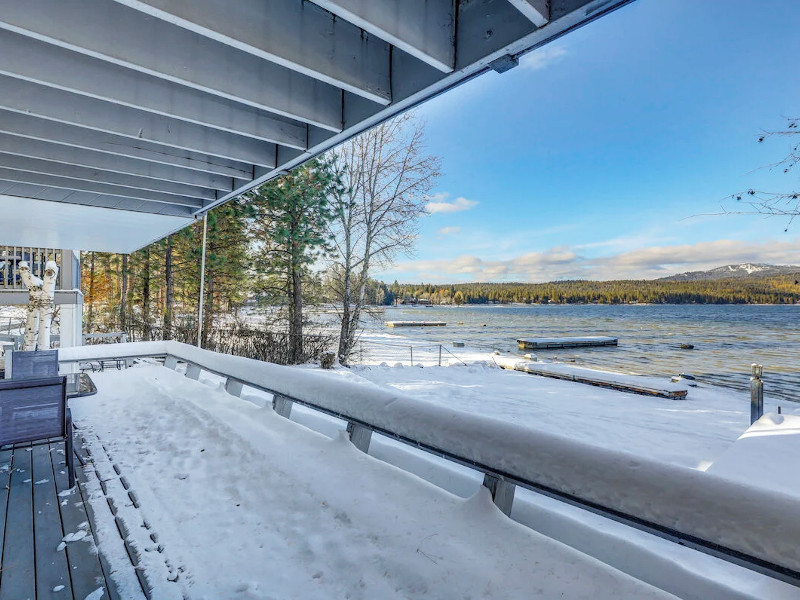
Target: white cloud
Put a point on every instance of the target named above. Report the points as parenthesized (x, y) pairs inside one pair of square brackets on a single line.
[(451, 230), (438, 204), (563, 262), (543, 57)]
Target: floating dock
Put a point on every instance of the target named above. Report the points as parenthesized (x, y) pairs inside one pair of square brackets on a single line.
[(565, 342), (646, 386), (415, 323)]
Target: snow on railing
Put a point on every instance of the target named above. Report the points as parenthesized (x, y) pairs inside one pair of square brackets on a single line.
[(12, 256), (753, 527)]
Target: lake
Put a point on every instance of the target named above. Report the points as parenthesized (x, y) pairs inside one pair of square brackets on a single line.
[(726, 338)]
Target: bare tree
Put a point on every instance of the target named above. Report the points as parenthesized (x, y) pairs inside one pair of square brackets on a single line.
[(386, 175), (781, 204)]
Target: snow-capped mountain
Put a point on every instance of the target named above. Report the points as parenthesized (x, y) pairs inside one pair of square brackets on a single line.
[(740, 271)]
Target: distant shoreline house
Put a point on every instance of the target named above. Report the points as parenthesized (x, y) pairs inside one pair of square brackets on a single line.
[(416, 302)]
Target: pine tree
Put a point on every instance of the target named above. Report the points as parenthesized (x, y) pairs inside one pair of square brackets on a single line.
[(290, 218)]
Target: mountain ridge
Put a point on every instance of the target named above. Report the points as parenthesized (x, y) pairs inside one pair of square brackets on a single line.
[(735, 271)]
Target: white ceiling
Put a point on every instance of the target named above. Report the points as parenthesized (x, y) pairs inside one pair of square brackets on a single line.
[(122, 120), (42, 224)]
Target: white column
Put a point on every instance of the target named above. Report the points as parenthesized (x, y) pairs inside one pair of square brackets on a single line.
[(71, 315)]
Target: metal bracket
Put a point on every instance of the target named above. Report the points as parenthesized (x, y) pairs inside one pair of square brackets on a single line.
[(193, 371), (502, 492), (360, 436), (282, 405), (233, 386)]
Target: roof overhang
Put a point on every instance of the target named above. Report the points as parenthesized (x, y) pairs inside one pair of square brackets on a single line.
[(123, 120)]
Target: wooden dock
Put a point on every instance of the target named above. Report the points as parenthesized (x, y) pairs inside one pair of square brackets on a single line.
[(624, 383), (415, 323), (565, 342)]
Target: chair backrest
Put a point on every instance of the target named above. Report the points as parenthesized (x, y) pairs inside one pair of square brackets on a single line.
[(38, 364), (32, 409)]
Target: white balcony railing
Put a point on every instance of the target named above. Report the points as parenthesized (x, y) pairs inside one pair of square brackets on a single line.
[(755, 528), (12, 256)]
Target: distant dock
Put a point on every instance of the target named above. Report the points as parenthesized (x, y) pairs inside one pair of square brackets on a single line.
[(646, 386), (415, 323), (565, 342)]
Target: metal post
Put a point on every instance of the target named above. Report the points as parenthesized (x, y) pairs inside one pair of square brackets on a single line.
[(202, 284), (233, 387), (440, 355), (756, 394), (282, 406), (359, 435), (193, 371), (502, 492)]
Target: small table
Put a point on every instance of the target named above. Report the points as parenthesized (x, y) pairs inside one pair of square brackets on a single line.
[(80, 384)]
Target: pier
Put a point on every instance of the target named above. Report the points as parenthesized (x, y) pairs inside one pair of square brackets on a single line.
[(565, 342), (415, 323), (645, 386)]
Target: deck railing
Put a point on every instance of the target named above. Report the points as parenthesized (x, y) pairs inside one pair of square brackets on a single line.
[(11, 256), (751, 527)]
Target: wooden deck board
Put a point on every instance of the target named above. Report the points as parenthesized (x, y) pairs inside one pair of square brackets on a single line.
[(52, 569), (82, 475), (32, 524), (19, 574), (85, 570), (5, 476)]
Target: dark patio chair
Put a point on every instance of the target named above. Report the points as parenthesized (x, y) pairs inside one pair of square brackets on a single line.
[(35, 410), (37, 364)]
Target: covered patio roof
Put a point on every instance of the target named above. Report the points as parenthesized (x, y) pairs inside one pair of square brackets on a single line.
[(123, 120)]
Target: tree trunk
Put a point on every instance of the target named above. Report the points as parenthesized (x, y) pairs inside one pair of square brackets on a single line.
[(208, 312), (344, 333), (355, 317), (90, 316), (296, 331), (296, 307), (34, 285), (146, 294), (170, 293), (47, 304), (123, 300)]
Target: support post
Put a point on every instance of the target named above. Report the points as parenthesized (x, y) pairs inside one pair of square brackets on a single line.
[(233, 387), (193, 371), (440, 355), (756, 393), (282, 405), (202, 284), (359, 435), (171, 362), (502, 492)]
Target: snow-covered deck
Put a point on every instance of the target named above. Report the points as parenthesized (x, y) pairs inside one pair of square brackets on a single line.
[(247, 504), (223, 478)]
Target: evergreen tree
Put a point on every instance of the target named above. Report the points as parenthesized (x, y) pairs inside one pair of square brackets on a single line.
[(290, 217)]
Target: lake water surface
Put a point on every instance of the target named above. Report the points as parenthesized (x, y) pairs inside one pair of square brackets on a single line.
[(726, 338)]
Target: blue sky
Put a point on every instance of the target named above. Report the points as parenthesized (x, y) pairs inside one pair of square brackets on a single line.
[(599, 155)]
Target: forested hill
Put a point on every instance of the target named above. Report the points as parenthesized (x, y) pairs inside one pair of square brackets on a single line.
[(777, 289)]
